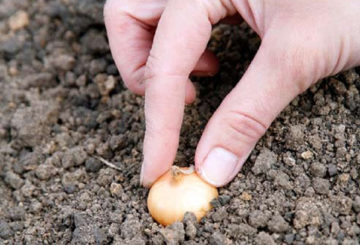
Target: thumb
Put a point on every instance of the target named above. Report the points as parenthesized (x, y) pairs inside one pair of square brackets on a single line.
[(270, 83)]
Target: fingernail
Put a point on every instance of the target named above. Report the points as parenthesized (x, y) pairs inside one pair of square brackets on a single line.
[(142, 181), (218, 166)]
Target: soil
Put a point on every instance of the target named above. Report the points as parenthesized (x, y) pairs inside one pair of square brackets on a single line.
[(63, 104)]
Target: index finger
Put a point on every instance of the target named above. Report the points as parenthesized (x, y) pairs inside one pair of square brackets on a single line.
[(181, 37)]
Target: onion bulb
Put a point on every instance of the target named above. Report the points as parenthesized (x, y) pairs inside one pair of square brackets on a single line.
[(178, 191)]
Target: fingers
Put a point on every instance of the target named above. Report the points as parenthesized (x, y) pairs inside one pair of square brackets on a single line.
[(207, 65), (266, 88), (181, 38), (131, 35)]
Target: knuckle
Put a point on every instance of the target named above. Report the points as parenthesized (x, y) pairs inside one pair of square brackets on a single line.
[(244, 126), (113, 8), (133, 82)]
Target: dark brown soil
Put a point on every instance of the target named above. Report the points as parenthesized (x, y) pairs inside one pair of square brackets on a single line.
[(299, 186)]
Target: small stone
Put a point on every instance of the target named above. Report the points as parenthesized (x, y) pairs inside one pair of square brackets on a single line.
[(264, 238), (321, 186), (116, 189), (17, 213), (309, 192), (27, 189), (18, 20), (258, 219), (74, 157), (289, 238), (332, 170), (224, 199), (97, 66), (13, 180), (215, 203), (241, 230), (93, 165), (190, 225), (44, 171), (356, 204), (246, 196), (307, 213), (307, 155), (35, 207), (63, 62), (310, 240), (100, 236), (28, 162), (79, 219), (5, 230), (220, 214), (94, 42), (344, 178), (289, 160), (331, 241), (40, 80), (173, 234), (114, 229), (117, 141), (341, 204), (278, 224), (157, 240), (70, 181), (218, 239), (295, 137), (338, 86), (11, 45), (317, 169), (282, 180), (135, 241), (105, 84), (17, 226), (264, 161), (353, 173), (131, 227)]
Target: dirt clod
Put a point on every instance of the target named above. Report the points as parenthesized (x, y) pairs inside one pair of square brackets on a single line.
[(173, 234)]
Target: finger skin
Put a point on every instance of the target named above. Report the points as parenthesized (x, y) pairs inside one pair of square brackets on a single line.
[(170, 63), (298, 48), (130, 27)]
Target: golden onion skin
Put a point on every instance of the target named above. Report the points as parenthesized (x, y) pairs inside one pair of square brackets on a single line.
[(170, 197)]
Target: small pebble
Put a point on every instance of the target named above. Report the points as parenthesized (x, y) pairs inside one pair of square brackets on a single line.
[(5, 230), (218, 239), (321, 186), (18, 20), (356, 204), (264, 161), (278, 224), (264, 238), (93, 165), (173, 234), (258, 219), (13, 180), (116, 189), (332, 169), (190, 225), (246, 196), (307, 155), (317, 169)]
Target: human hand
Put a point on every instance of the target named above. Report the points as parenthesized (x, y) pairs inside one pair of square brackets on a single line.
[(302, 42)]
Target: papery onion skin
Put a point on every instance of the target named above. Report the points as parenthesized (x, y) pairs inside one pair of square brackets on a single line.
[(171, 197)]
